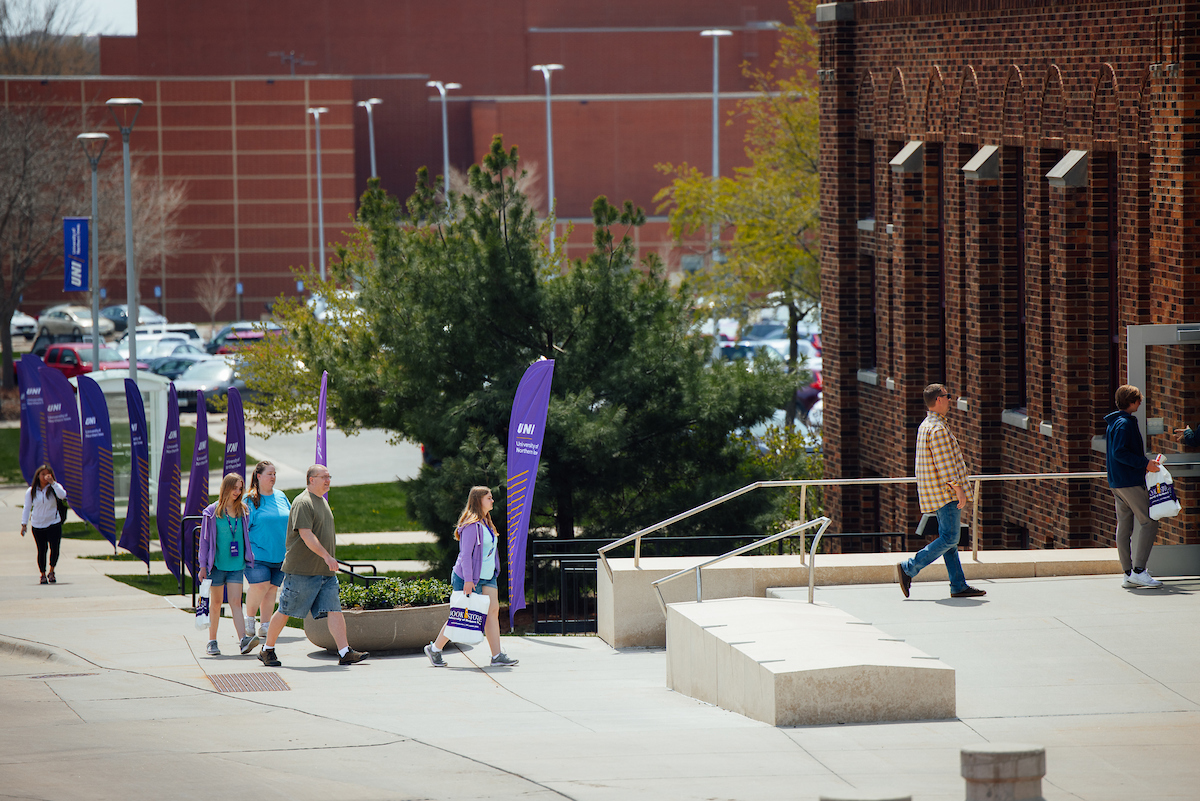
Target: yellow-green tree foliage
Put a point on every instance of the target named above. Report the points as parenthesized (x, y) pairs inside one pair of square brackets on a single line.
[(768, 210)]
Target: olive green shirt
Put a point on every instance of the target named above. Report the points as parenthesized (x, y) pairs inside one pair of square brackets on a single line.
[(309, 511)]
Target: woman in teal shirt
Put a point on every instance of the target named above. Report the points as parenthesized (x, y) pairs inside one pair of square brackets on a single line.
[(269, 512), (225, 551)]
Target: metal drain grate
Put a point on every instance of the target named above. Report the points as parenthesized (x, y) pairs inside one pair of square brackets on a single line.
[(248, 682)]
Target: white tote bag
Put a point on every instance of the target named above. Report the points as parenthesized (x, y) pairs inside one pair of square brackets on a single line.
[(1163, 500), (468, 614)]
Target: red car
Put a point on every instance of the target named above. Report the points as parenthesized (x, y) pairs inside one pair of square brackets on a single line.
[(75, 358)]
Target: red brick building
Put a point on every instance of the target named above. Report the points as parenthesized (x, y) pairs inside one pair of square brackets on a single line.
[(1007, 185), (224, 113)]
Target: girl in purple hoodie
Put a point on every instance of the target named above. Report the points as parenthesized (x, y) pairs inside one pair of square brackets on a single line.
[(224, 553), (478, 567)]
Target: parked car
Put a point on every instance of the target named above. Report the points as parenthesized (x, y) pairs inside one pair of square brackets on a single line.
[(75, 358), (118, 315), (213, 376), (152, 346), (188, 330), (22, 325), (237, 335), (174, 366), (71, 320)]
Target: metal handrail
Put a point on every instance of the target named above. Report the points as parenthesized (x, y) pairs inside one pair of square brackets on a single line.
[(823, 521), (804, 484)]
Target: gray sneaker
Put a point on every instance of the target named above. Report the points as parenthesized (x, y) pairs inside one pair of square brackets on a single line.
[(504, 660), (248, 643), (211, 649), (435, 657)]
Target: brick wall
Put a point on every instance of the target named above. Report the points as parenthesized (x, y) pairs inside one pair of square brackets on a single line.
[(1009, 287)]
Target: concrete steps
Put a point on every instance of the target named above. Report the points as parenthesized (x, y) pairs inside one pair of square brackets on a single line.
[(789, 663)]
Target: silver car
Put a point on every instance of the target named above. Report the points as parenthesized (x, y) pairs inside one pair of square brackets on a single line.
[(75, 320)]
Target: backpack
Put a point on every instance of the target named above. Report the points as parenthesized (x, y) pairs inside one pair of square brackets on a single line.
[(62, 504)]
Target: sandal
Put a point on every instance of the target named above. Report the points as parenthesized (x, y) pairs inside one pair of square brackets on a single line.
[(50, 577), (43, 579)]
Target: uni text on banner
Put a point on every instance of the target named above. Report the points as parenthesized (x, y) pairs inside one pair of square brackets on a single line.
[(167, 517), (526, 429), (135, 534), (235, 437), (33, 419), (197, 497), (97, 501), (64, 450)]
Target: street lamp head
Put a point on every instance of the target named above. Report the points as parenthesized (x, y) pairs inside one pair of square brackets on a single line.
[(716, 32), (374, 101), (125, 111), (453, 86), (544, 68), (317, 111), (93, 144)]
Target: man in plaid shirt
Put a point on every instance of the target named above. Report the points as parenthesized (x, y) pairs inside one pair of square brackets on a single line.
[(941, 487)]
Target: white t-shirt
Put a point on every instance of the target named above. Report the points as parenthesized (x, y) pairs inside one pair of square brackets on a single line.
[(41, 510), (487, 540)]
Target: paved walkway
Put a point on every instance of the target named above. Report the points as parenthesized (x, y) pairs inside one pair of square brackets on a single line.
[(105, 692)]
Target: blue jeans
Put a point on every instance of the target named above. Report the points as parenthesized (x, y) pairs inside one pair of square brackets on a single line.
[(946, 546)]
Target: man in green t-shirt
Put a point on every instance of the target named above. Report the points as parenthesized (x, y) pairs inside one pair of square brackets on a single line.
[(310, 584)]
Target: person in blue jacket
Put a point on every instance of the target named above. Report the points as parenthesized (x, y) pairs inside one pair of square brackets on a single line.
[(1127, 468), (477, 567), (269, 512)]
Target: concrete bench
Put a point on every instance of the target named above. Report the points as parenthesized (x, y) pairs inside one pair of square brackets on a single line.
[(789, 663)]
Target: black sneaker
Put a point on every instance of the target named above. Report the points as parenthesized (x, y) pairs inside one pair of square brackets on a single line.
[(353, 656), (969, 592), (268, 658), (904, 579)]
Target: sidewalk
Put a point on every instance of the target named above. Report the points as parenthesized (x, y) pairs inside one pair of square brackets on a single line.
[(105, 692)]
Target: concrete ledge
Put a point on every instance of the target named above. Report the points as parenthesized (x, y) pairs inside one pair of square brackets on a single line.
[(628, 614), (790, 663), (24, 649)]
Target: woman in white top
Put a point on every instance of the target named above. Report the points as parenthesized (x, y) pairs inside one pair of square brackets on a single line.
[(41, 512)]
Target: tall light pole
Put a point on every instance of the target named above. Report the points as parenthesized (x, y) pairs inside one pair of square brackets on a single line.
[(317, 112), (93, 145), (716, 34), (370, 105), (546, 69), (442, 89), (125, 111)]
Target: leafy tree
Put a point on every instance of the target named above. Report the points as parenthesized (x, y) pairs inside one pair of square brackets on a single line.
[(771, 205), (454, 304)]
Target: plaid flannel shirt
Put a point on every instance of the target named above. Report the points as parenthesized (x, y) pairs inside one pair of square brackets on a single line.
[(939, 462)]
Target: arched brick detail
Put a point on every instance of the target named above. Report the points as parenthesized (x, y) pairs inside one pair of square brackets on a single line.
[(935, 106), (1106, 111), (968, 103), (866, 105), (1013, 123), (897, 108), (1053, 106)]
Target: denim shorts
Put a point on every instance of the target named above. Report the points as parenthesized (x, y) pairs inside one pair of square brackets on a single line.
[(301, 595), (220, 577), (457, 582), (265, 571)]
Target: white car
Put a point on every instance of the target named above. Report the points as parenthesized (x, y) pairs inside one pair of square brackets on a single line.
[(75, 320), (22, 325)]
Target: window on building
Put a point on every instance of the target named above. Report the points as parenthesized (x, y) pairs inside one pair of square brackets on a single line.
[(1045, 367), (1015, 320), (1113, 333), (933, 153), (866, 179)]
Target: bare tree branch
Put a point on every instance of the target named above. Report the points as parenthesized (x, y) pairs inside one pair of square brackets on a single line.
[(35, 39), (214, 289)]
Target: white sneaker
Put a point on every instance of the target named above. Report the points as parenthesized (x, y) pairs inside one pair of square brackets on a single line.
[(1144, 579), (262, 631), (1128, 583), (249, 625)]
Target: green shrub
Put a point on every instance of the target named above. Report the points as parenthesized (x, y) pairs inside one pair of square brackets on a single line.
[(393, 592)]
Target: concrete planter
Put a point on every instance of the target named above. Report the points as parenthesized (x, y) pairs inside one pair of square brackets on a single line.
[(407, 628)]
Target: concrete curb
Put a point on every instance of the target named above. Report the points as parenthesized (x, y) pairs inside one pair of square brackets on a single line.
[(26, 649)]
